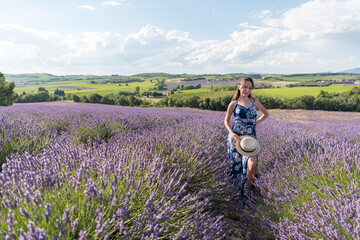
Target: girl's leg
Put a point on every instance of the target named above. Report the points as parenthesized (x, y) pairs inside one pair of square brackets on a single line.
[(252, 166)]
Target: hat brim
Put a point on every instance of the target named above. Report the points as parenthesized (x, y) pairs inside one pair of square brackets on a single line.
[(246, 153)]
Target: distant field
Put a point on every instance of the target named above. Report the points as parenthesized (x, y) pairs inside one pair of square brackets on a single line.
[(80, 84), (300, 91), (202, 93), (305, 78), (274, 92), (71, 87)]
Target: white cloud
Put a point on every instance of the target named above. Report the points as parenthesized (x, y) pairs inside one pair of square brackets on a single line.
[(316, 36), (145, 34), (114, 3), (316, 29), (246, 25), (321, 17), (177, 35), (46, 35), (263, 14), (87, 7), (11, 52)]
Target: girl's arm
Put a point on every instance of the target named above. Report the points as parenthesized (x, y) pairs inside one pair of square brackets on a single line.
[(229, 112), (263, 110)]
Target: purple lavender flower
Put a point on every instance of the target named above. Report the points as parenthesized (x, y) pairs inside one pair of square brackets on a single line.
[(134, 168), (47, 213), (24, 212), (66, 216), (82, 235)]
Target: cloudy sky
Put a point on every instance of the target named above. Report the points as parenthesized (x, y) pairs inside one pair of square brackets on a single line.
[(188, 36)]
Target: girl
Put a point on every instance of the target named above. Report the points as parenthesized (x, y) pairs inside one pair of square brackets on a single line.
[(244, 108)]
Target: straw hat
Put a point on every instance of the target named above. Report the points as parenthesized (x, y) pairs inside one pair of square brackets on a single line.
[(247, 146)]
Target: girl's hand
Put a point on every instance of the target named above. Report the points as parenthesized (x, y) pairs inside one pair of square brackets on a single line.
[(235, 136)]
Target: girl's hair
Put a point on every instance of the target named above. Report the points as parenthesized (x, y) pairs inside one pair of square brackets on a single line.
[(242, 81)]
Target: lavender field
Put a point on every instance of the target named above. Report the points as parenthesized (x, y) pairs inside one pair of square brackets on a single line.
[(86, 171)]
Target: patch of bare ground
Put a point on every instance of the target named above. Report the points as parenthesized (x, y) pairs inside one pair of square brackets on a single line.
[(171, 80), (242, 221), (282, 83)]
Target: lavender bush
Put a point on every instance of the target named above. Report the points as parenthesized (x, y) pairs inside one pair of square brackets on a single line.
[(83, 171), (18, 134), (310, 178), (112, 172)]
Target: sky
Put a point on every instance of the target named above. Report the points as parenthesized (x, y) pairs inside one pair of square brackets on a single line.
[(104, 37)]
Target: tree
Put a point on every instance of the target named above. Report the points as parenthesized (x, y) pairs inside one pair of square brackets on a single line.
[(172, 101), (60, 93), (133, 101), (42, 97), (108, 99), (7, 94), (42, 89), (192, 102), (354, 103), (179, 103), (205, 104), (121, 100), (164, 101), (76, 98), (156, 94), (95, 98), (84, 99)]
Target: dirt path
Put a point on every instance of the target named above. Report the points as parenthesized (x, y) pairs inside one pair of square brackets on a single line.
[(243, 223)]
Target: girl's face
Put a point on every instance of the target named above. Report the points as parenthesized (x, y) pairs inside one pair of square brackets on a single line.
[(245, 89)]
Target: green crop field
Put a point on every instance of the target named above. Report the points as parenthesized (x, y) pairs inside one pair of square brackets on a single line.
[(273, 92), (74, 87), (81, 84), (301, 91)]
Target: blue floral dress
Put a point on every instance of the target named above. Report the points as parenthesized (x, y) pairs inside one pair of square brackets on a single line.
[(245, 122)]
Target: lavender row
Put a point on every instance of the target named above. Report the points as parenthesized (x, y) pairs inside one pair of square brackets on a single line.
[(115, 172), (154, 175), (310, 179)]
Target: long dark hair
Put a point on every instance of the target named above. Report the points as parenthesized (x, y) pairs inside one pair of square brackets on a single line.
[(242, 81)]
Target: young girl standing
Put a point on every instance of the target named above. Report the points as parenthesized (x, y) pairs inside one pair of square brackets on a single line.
[(244, 108)]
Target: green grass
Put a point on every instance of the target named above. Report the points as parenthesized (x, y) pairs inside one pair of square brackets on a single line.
[(301, 91), (102, 89), (47, 81), (273, 92), (22, 78)]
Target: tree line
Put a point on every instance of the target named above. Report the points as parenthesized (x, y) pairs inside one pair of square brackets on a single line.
[(7, 94), (346, 101)]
